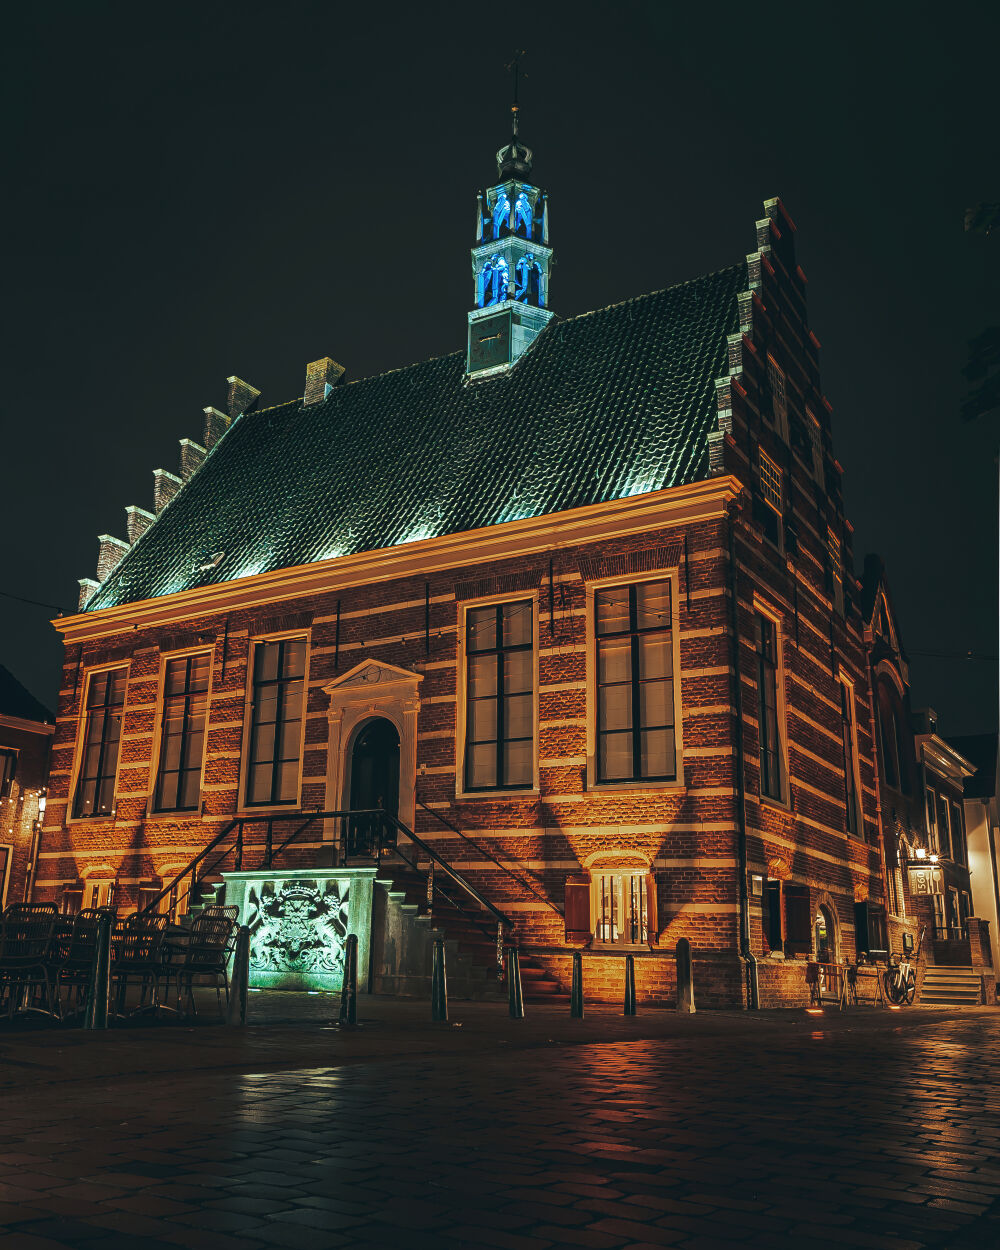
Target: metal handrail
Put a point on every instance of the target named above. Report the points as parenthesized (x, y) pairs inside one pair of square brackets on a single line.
[(238, 823), (456, 876), (492, 858)]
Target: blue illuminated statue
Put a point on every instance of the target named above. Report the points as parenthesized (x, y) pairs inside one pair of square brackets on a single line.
[(523, 217), (493, 278), (501, 214)]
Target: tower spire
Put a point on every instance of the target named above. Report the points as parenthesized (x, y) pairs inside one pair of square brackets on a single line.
[(511, 258), (515, 68)]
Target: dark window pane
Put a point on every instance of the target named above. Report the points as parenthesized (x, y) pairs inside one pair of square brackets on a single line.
[(615, 758)]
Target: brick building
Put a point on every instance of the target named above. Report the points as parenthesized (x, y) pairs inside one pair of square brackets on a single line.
[(577, 604), (26, 730)]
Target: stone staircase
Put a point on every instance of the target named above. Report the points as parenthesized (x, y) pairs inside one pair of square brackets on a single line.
[(950, 987), (470, 942)]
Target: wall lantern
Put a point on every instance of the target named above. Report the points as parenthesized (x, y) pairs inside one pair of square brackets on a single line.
[(921, 853)]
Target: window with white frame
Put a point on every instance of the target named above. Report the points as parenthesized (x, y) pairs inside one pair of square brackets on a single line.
[(621, 908), (276, 718), (499, 708), (102, 731), (182, 733), (770, 482), (635, 683), (768, 716)]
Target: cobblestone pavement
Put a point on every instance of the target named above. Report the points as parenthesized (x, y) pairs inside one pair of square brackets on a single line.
[(874, 1130)]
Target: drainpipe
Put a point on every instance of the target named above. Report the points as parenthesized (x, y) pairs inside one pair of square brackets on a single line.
[(749, 958)]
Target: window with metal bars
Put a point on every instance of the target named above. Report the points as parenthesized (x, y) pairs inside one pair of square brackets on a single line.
[(499, 710), (182, 733), (635, 683), (849, 739), (621, 908), (276, 722), (102, 731), (767, 708)]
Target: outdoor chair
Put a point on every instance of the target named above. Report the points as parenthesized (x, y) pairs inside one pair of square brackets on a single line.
[(231, 912), (27, 932), (137, 953), (207, 955), (72, 968)]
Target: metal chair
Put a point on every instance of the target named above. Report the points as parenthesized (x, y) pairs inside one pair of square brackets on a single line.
[(231, 912), (136, 952), (72, 967), (27, 931), (207, 955)]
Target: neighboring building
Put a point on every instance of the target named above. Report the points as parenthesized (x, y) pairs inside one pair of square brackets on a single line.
[(576, 602), (982, 832), (921, 784), (26, 729)]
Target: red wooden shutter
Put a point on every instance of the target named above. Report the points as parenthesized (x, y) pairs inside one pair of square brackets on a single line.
[(798, 920), (577, 908), (652, 915)]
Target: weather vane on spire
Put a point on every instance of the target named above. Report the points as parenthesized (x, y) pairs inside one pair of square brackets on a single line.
[(515, 69)]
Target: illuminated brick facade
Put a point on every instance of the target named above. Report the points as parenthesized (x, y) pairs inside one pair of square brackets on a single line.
[(682, 446)]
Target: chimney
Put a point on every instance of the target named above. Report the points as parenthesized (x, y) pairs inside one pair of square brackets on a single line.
[(192, 458), (242, 397), (321, 377), (137, 521), (165, 486), (216, 424), (109, 555), (87, 588)]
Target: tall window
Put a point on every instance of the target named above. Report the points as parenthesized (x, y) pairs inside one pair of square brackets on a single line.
[(850, 755), (276, 722), (182, 734), (499, 732), (8, 767), (932, 834), (95, 789), (767, 707), (890, 741), (779, 398), (957, 834), (635, 684), (944, 827), (770, 482)]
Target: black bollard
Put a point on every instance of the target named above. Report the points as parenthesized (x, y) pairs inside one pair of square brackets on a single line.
[(629, 985), (236, 1008), (349, 992), (576, 992), (439, 983), (685, 979), (515, 999), (100, 976)]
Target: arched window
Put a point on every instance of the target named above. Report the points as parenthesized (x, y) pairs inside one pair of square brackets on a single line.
[(825, 931), (522, 216), (888, 731), (492, 282), (501, 214)]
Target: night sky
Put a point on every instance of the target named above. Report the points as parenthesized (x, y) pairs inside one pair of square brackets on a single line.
[(196, 191)]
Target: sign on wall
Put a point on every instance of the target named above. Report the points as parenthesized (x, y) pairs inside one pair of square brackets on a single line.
[(925, 880)]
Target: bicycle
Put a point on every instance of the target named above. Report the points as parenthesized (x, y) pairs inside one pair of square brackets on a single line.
[(900, 978)]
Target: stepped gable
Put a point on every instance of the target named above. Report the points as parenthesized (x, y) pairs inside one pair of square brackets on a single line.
[(605, 405)]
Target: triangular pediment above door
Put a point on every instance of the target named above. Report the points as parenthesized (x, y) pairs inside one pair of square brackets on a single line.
[(374, 675)]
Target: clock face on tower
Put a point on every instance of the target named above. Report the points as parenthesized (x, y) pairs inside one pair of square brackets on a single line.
[(489, 342)]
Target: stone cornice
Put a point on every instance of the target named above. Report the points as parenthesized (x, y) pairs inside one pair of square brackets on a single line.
[(697, 501)]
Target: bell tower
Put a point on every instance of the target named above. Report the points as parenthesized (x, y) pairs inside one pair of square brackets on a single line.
[(510, 262)]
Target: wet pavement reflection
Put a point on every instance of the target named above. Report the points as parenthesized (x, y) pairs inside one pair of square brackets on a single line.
[(733, 1132)]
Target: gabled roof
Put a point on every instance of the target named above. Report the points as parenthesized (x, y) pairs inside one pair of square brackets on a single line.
[(609, 404), (18, 702)]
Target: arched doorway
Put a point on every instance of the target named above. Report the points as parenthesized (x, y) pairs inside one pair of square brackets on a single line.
[(374, 782), (825, 936)]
